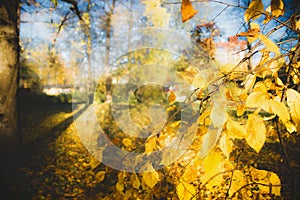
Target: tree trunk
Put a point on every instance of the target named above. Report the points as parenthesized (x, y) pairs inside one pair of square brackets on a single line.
[(107, 52), (9, 54)]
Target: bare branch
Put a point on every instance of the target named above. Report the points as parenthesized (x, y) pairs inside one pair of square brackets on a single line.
[(74, 8)]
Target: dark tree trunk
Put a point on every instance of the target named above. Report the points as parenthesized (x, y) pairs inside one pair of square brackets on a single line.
[(9, 56)]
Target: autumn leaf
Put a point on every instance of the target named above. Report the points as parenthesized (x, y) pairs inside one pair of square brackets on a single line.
[(150, 145), (120, 186), (256, 132), (151, 177), (135, 181), (268, 16), (187, 10), (253, 32), (293, 101), (168, 156), (100, 176), (279, 109), (127, 142), (254, 10), (297, 107), (218, 113), (277, 8), (226, 145), (256, 99), (190, 173), (270, 45), (209, 141), (235, 130), (94, 163), (238, 181), (297, 25), (172, 97), (213, 164), (266, 178), (240, 109), (185, 191)]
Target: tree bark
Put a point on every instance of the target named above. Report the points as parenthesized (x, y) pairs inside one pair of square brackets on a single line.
[(9, 56)]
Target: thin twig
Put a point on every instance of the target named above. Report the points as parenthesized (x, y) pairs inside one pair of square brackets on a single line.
[(232, 173), (213, 19)]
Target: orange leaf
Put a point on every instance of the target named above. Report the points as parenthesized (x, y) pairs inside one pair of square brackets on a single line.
[(172, 97), (187, 10)]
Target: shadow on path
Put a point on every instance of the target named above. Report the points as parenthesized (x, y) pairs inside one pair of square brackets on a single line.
[(35, 121)]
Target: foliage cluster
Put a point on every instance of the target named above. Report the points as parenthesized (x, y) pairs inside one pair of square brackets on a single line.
[(241, 109)]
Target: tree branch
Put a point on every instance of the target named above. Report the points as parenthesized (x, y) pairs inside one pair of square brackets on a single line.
[(74, 8)]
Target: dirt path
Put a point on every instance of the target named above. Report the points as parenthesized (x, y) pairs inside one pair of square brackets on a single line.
[(54, 162)]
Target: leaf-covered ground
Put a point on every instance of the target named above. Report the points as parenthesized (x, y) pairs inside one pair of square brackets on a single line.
[(56, 165)]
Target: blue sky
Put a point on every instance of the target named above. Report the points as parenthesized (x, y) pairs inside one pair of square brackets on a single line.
[(39, 25)]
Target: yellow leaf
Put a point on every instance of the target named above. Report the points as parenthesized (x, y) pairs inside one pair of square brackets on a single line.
[(240, 109), (268, 16), (209, 141), (250, 33), (190, 173), (256, 132), (168, 156), (226, 145), (218, 113), (260, 87), (279, 109), (298, 25), (100, 176), (238, 181), (135, 181), (187, 10), (235, 130), (128, 194), (277, 8), (291, 97), (254, 10), (291, 128), (249, 82), (172, 97), (120, 183), (297, 107), (185, 191), (150, 145), (94, 163), (254, 25), (199, 81), (213, 164), (270, 45), (256, 99), (293, 101), (253, 33), (127, 142), (120, 186), (150, 178), (266, 178)]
